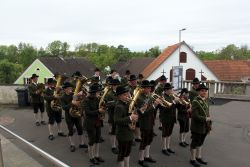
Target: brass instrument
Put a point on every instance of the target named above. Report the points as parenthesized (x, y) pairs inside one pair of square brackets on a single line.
[(41, 88), (102, 102), (132, 108), (55, 104), (163, 102), (181, 100), (76, 111)]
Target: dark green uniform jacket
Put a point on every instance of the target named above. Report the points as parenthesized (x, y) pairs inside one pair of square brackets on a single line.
[(124, 81), (182, 111), (92, 115), (48, 96), (122, 121), (159, 90), (146, 119), (131, 89), (66, 103), (168, 115), (35, 98), (199, 113), (110, 100), (192, 94)]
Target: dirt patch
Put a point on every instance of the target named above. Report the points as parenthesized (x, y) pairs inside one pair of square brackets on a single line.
[(6, 120)]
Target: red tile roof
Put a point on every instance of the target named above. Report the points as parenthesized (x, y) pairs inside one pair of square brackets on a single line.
[(229, 70), (160, 59)]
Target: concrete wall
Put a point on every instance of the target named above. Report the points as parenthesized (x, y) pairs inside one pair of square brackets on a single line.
[(8, 94)]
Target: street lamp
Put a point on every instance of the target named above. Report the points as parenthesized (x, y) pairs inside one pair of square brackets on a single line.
[(180, 44)]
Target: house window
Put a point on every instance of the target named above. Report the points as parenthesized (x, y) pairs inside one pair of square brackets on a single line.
[(183, 57), (26, 81), (190, 74)]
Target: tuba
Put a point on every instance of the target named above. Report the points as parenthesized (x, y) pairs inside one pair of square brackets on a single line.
[(102, 102), (132, 108), (55, 104), (76, 111)]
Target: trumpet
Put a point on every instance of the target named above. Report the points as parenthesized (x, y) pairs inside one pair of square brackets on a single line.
[(181, 100), (163, 102)]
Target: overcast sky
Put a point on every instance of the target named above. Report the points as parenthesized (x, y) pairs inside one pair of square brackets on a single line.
[(137, 24)]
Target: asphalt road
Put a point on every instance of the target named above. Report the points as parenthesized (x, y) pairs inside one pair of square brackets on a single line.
[(227, 145)]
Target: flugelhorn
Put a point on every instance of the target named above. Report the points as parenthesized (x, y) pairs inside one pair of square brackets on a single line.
[(163, 102)]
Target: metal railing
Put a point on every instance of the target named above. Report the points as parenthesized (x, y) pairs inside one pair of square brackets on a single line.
[(45, 155)]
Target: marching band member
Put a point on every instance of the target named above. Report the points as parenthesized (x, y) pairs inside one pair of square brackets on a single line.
[(110, 100), (146, 109), (53, 115), (168, 119), (159, 90), (193, 92), (122, 120), (93, 123), (37, 99), (200, 125), (184, 109), (66, 102)]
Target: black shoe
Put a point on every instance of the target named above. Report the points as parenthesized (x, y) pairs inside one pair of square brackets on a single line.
[(149, 159), (165, 152), (72, 148), (182, 144), (194, 163), (43, 123), (138, 140), (94, 161), (201, 161), (142, 163), (51, 137), (101, 140), (160, 128), (186, 143), (37, 123), (170, 151), (61, 134), (83, 146), (114, 150), (99, 159)]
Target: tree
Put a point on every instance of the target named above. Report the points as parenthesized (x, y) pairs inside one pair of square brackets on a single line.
[(9, 71), (58, 48)]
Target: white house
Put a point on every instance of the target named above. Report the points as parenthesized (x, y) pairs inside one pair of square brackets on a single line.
[(192, 65)]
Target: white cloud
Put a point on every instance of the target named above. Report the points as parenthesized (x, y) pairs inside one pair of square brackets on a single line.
[(137, 24)]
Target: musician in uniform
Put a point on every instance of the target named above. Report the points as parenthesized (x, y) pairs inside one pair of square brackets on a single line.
[(159, 90), (37, 99), (183, 116), (200, 125), (193, 92), (66, 102), (54, 116), (92, 123), (146, 109), (140, 78), (122, 120), (110, 100), (132, 83), (125, 78), (168, 118)]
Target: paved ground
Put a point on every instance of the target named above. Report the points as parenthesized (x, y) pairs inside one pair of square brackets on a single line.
[(227, 145)]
